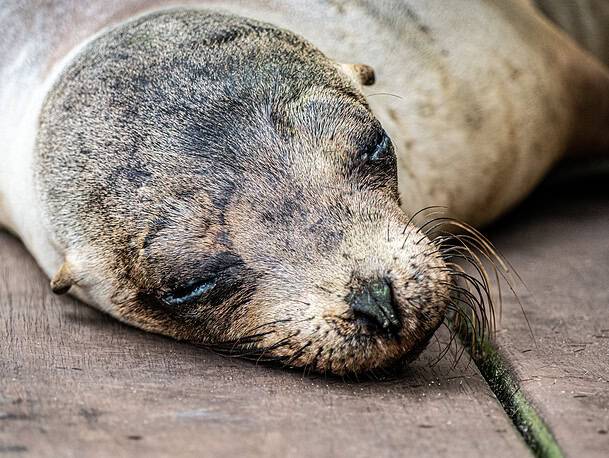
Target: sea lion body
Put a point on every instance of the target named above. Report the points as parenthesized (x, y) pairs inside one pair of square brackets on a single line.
[(475, 122)]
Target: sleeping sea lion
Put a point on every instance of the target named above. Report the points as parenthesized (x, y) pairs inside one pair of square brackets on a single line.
[(244, 175)]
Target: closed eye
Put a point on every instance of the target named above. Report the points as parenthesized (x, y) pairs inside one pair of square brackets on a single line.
[(380, 150), (189, 293), (375, 167)]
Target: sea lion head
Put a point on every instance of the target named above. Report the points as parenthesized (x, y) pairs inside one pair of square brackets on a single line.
[(222, 181)]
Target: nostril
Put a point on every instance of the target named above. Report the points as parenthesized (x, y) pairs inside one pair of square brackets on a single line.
[(372, 303)]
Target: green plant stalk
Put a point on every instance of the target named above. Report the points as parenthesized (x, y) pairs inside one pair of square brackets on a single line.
[(501, 380)]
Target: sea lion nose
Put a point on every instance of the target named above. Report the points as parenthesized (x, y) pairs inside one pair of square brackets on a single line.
[(372, 304)]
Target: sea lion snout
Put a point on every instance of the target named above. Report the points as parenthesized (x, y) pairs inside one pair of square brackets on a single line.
[(370, 298)]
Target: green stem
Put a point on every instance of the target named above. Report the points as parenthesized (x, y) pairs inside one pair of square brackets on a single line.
[(498, 374)]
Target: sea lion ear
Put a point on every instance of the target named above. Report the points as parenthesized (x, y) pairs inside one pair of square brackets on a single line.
[(360, 73), (63, 279)]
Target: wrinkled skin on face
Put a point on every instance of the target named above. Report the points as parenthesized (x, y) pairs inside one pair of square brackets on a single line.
[(221, 181)]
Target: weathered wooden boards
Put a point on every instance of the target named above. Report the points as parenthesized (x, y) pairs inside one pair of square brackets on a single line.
[(73, 382), (559, 243), (76, 383)]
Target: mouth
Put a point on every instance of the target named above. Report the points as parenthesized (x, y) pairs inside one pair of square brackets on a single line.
[(337, 344), (327, 350)]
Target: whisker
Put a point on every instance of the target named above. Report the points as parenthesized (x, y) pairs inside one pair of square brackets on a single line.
[(374, 94), (473, 297)]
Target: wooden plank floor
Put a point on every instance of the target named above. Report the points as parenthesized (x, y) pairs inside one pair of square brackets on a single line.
[(73, 382), (76, 383), (559, 243)]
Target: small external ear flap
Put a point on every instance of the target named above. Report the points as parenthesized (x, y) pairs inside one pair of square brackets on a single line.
[(63, 280), (361, 73)]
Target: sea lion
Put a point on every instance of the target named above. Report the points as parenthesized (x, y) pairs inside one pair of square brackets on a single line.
[(220, 175)]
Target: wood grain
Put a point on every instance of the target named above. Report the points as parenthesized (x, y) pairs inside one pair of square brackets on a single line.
[(74, 382), (559, 243)]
